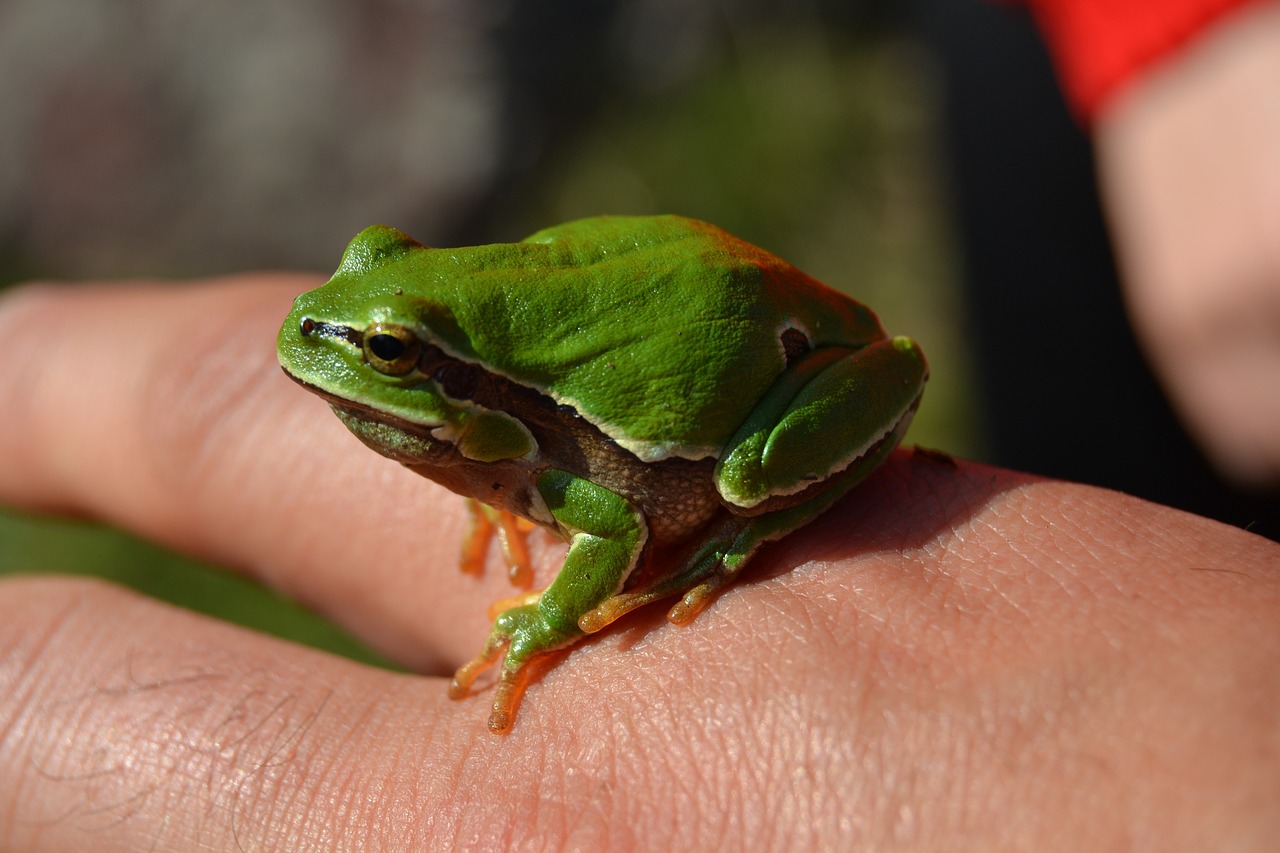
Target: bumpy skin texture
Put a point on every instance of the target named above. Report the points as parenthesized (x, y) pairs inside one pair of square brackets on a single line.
[(662, 331), (660, 393)]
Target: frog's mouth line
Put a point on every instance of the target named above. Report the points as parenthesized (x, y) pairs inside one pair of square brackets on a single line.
[(354, 407)]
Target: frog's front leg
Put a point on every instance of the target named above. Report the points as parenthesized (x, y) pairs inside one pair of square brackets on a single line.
[(606, 536), (488, 523)]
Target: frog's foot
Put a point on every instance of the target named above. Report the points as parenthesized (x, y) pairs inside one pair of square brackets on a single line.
[(511, 532), (716, 575), (693, 601), (721, 567), (523, 632), (713, 565), (617, 606), (502, 605)]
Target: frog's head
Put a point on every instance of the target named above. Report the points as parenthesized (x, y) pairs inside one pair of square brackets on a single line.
[(362, 341)]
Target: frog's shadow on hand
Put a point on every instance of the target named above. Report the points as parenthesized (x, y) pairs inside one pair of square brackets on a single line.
[(917, 497)]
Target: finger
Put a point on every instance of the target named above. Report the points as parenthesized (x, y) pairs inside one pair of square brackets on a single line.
[(972, 682), (163, 409), (126, 724)]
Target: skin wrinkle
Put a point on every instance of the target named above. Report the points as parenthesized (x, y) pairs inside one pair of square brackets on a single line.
[(968, 754), (558, 797), (347, 820), (787, 610), (58, 627), (262, 743), (782, 768), (712, 755), (587, 826), (517, 824), (604, 807), (19, 675), (473, 772), (895, 788), (281, 798), (805, 755), (608, 811), (1123, 536), (240, 764), (1151, 595), (373, 807), (753, 773), (1021, 586), (411, 776)]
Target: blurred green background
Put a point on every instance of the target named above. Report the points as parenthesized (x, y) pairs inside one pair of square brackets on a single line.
[(809, 133)]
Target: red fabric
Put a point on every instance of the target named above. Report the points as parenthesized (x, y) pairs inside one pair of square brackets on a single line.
[(1100, 45)]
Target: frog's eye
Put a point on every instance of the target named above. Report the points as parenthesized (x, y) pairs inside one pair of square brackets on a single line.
[(391, 349)]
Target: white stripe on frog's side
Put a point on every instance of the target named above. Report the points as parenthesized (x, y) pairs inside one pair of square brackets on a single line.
[(645, 450)]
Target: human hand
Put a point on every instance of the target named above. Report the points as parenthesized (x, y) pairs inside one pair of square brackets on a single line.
[(954, 656), (1190, 166)]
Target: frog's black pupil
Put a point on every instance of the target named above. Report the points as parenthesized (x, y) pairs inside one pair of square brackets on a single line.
[(386, 347)]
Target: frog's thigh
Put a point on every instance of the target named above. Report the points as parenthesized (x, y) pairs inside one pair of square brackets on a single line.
[(607, 535), (824, 413)]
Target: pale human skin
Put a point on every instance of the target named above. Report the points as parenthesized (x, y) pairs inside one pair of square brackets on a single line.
[(1189, 157), (955, 657)]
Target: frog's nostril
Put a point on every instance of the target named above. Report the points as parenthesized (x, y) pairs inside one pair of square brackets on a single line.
[(308, 326)]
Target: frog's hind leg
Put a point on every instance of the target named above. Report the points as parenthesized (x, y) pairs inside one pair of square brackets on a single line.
[(715, 563)]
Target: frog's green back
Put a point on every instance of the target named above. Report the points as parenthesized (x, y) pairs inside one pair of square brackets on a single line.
[(663, 331)]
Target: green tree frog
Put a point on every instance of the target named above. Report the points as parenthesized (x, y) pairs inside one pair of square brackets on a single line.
[(663, 395)]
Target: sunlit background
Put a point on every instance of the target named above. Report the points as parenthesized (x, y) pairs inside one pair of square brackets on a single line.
[(184, 138)]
